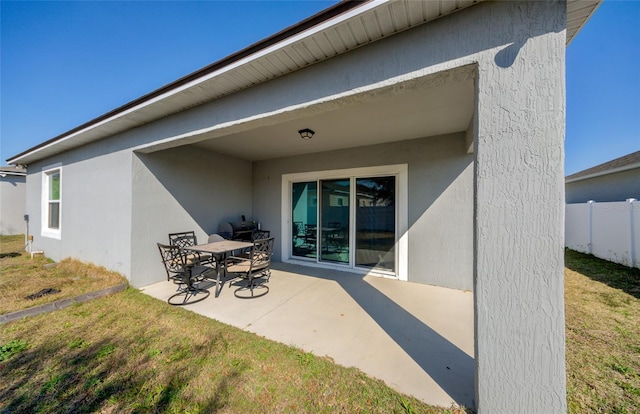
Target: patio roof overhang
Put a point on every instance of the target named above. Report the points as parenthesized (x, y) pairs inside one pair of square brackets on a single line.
[(334, 31), (437, 104)]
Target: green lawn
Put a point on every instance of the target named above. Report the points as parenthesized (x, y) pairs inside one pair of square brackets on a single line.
[(131, 353), (602, 301), (21, 277)]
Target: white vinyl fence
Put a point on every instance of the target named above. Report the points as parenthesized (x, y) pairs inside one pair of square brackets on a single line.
[(610, 231)]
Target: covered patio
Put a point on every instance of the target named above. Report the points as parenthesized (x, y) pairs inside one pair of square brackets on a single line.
[(456, 119), (417, 338)]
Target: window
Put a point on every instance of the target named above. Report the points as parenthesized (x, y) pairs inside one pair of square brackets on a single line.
[(359, 222), (51, 202)]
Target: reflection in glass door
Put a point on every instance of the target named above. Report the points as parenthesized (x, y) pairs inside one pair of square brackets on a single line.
[(375, 222), (304, 219), (334, 234), (347, 221)]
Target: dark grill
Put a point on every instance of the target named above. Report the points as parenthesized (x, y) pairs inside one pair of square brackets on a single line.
[(237, 230)]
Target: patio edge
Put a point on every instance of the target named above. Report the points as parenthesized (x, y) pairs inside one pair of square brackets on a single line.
[(60, 304)]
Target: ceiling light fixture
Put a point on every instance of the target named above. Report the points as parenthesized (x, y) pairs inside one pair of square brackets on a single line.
[(306, 133)]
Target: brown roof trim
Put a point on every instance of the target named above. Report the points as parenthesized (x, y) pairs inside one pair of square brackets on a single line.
[(327, 14), (618, 164)]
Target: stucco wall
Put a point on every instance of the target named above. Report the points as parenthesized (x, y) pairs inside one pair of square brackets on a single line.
[(611, 187), (95, 207), (520, 362), (440, 210), (12, 204), (519, 51), (182, 189)]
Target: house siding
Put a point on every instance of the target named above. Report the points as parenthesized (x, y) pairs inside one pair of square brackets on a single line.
[(516, 52), (95, 207), (618, 186), (12, 204)]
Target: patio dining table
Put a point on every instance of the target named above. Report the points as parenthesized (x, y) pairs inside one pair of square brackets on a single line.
[(220, 250)]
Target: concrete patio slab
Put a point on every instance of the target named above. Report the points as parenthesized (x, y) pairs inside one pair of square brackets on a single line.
[(417, 338)]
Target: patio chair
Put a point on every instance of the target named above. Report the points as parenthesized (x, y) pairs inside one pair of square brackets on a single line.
[(297, 232), (256, 270), (184, 274), (310, 235), (255, 235), (260, 234), (187, 239)]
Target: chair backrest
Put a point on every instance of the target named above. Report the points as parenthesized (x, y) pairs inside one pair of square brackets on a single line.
[(260, 234), (174, 260), (215, 238), (261, 253), (310, 232), (183, 239)]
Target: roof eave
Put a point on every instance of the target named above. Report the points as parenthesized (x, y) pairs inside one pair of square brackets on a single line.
[(322, 18), (315, 20), (633, 166)]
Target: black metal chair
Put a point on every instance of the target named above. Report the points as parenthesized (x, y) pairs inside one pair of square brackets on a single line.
[(184, 274), (183, 239), (186, 239), (297, 232), (310, 235), (260, 234), (256, 269)]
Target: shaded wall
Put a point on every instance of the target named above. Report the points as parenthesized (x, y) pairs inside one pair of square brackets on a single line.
[(440, 209), (182, 189), (12, 204)]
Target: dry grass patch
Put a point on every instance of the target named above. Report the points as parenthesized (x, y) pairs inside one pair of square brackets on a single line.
[(602, 302), (21, 276), (132, 353)]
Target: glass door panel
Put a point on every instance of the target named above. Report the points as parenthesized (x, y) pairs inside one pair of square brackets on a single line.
[(375, 222), (334, 230), (304, 210)]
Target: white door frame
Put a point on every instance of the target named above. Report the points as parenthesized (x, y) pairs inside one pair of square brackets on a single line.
[(402, 199)]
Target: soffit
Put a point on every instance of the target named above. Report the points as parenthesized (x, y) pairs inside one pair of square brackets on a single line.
[(374, 118), (354, 28), (578, 13)]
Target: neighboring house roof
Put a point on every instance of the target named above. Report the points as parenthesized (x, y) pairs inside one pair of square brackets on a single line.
[(627, 162), (12, 170), (336, 30)]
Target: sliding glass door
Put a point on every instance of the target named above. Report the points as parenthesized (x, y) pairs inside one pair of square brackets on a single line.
[(354, 224), (375, 235), (304, 215), (334, 230)]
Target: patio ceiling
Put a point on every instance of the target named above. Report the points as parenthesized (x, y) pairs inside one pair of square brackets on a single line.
[(367, 119)]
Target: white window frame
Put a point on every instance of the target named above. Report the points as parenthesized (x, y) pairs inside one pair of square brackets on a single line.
[(402, 194), (45, 230)]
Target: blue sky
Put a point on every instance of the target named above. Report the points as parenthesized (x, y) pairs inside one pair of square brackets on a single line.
[(65, 63)]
